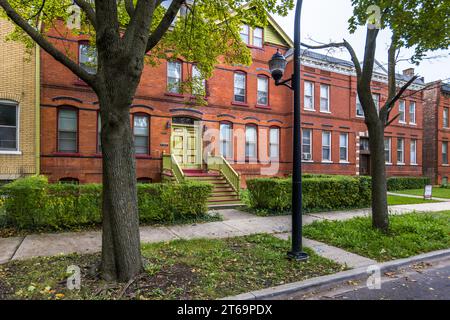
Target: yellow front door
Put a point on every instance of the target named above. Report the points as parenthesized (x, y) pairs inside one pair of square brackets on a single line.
[(185, 146)]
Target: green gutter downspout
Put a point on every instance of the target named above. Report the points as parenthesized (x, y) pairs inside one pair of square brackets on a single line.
[(37, 84)]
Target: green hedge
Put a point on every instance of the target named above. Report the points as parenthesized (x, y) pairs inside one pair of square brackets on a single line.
[(319, 193), (32, 203), (404, 183)]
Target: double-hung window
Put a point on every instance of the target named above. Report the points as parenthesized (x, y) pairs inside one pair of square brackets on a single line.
[(445, 118), (400, 151), (274, 143), (226, 140), (9, 123), (67, 130), (240, 87), (401, 111), (251, 142), (141, 134), (413, 152), (263, 91), (309, 96), (324, 98), (387, 150), (445, 152), (307, 144), (174, 76), (412, 113), (326, 146), (245, 34), (87, 57), (343, 147), (258, 37)]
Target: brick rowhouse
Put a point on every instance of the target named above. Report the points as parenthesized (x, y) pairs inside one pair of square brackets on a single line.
[(338, 135)]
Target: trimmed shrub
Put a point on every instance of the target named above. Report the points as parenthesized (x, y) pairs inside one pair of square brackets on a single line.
[(32, 203), (404, 183), (319, 193)]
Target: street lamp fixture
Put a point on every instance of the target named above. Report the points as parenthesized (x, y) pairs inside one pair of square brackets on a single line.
[(277, 66)]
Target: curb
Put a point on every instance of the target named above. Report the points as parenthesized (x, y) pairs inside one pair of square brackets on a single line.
[(326, 282)]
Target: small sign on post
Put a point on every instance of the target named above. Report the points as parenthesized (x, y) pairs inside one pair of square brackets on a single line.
[(428, 193)]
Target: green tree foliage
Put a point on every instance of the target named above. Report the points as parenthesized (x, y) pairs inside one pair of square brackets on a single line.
[(420, 24)]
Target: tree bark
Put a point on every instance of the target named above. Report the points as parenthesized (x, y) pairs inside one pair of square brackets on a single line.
[(121, 256), (380, 214)]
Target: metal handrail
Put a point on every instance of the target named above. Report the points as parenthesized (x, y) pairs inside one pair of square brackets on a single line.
[(219, 163)]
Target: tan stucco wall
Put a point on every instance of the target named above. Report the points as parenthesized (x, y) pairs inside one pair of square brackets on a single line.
[(17, 83)]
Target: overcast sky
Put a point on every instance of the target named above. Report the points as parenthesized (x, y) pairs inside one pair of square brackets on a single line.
[(327, 20)]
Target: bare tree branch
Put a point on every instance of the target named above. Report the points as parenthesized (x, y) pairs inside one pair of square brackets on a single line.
[(164, 25), (129, 7), (39, 11), (46, 45), (87, 8), (392, 120)]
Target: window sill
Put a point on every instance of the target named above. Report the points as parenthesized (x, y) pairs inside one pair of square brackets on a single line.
[(414, 164), (143, 156), (446, 165), (308, 161), (259, 106), (401, 163), (66, 154), (241, 104), (14, 153), (327, 161), (413, 124), (176, 95), (344, 162), (360, 117), (402, 122), (309, 110), (329, 112), (254, 47), (388, 163)]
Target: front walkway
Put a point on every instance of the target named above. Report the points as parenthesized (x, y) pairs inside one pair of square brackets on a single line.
[(399, 194), (235, 223)]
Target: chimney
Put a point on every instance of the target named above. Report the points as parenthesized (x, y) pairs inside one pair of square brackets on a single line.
[(409, 72)]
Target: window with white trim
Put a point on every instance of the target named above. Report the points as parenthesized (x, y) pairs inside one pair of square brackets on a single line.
[(141, 134), (226, 140), (324, 98), (401, 111), (401, 151), (240, 87), (444, 152), (174, 76), (251, 142), (309, 96), (87, 57), (359, 108), (245, 34), (307, 144), (387, 150), (258, 37), (274, 143), (445, 118), (263, 91), (326, 146), (343, 147), (413, 151), (67, 130), (9, 123), (412, 113)]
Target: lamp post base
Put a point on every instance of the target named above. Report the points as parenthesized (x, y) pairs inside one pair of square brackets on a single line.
[(297, 256)]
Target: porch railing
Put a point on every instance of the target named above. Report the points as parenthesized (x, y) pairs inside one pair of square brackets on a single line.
[(170, 163), (220, 164)]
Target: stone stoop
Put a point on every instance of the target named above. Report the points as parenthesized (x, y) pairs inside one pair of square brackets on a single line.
[(223, 195)]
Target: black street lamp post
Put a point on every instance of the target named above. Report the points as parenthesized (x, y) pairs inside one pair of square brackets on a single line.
[(277, 67)]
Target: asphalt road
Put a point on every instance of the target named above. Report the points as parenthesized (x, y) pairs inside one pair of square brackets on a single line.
[(424, 281)]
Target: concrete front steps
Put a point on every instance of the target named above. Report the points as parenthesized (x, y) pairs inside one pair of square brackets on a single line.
[(223, 195)]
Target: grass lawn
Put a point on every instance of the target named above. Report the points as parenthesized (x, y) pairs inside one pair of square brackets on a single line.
[(437, 192), (409, 235), (397, 200), (195, 269)]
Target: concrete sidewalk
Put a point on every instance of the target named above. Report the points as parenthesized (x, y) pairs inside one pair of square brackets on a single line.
[(235, 223)]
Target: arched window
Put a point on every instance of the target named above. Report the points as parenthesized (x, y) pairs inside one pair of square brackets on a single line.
[(274, 143), (226, 140), (240, 87), (251, 142), (68, 130), (141, 131)]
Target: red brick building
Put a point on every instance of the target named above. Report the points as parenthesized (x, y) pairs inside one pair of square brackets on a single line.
[(437, 133), (247, 118)]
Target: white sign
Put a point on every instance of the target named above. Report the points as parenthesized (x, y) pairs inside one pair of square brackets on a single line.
[(428, 193)]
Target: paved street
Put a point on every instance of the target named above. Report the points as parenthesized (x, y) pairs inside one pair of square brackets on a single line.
[(424, 281)]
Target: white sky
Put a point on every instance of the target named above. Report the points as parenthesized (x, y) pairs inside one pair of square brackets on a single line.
[(327, 20)]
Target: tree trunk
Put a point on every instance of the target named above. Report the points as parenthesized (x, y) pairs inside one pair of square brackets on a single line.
[(380, 214), (121, 255)]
